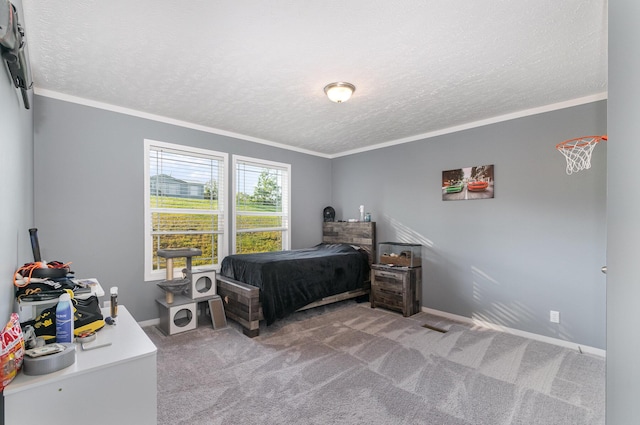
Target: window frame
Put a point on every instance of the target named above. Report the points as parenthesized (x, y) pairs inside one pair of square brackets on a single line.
[(286, 204), (154, 275)]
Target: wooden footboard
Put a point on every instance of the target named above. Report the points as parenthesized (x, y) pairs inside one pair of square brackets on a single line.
[(242, 302)]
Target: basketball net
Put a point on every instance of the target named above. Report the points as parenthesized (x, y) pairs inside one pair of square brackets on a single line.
[(578, 152)]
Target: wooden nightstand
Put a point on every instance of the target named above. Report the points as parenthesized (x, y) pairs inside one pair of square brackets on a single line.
[(396, 288)]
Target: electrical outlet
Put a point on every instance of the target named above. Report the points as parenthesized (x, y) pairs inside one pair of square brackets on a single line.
[(554, 316)]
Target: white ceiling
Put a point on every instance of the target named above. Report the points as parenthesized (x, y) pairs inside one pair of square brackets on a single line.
[(256, 69)]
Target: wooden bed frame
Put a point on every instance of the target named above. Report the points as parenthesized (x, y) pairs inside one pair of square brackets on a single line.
[(242, 301)]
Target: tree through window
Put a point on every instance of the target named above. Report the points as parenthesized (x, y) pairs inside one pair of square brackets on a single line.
[(261, 200)]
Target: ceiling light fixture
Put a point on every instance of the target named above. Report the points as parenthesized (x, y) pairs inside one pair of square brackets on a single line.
[(339, 92)]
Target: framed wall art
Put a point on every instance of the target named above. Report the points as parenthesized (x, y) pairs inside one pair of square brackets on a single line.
[(464, 184)]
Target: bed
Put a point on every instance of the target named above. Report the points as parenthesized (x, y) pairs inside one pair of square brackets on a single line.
[(269, 286)]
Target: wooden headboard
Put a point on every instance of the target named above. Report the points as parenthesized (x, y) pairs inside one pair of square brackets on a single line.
[(362, 234)]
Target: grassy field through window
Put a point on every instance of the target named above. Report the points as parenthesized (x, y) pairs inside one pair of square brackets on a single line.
[(201, 230)]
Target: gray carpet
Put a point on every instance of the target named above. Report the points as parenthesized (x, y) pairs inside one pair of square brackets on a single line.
[(350, 364)]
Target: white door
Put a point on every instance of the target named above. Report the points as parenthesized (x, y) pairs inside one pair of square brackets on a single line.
[(623, 215)]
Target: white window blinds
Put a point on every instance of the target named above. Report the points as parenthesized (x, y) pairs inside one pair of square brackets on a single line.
[(185, 202), (261, 200)]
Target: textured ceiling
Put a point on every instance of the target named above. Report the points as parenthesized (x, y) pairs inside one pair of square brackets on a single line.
[(257, 68)]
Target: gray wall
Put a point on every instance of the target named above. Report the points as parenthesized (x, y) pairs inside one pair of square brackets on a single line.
[(537, 246), (623, 228), (16, 190), (89, 192)]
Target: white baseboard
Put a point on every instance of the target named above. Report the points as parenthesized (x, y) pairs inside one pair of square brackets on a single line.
[(567, 344), (152, 322), (562, 343)]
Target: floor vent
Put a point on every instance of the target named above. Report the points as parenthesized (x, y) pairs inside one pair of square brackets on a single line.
[(433, 328)]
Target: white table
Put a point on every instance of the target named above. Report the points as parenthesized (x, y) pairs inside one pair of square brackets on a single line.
[(110, 385)]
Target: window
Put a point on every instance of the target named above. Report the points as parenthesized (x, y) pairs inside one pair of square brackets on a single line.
[(185, 193), (261, 200)]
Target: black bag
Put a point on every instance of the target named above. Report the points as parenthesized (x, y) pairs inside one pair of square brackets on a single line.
[(87, 317)]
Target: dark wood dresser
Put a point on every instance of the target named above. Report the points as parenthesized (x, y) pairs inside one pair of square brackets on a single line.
[(396, 288)]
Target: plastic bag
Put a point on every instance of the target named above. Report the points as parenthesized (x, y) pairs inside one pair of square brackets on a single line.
[(12, 351)]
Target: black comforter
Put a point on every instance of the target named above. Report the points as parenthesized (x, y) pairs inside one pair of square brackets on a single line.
[(289, 280)]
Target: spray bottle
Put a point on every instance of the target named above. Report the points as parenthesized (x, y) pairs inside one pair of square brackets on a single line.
[(114, 301), (64, 319)]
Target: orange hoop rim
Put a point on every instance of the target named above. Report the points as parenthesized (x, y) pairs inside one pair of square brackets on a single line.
[(580, 142)]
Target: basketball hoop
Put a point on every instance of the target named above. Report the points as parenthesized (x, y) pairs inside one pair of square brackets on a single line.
[(578, 152)]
